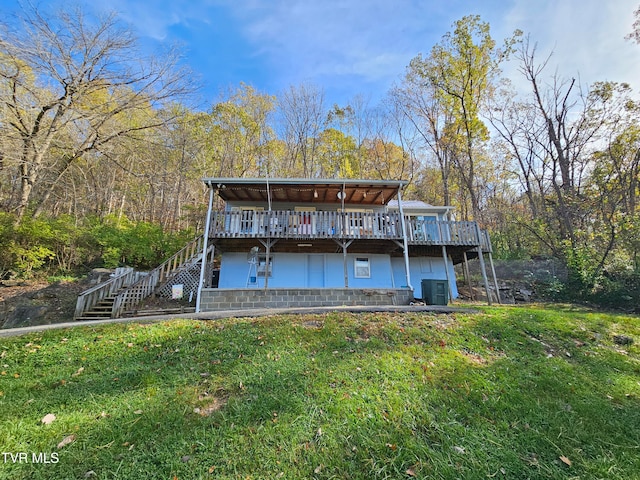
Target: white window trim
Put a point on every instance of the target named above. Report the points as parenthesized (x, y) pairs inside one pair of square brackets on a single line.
[(357, 267)]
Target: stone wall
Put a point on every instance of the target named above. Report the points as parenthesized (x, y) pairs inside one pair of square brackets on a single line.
[(246, 298)]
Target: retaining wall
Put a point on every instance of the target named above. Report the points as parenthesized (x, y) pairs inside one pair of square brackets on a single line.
[(235, 299)]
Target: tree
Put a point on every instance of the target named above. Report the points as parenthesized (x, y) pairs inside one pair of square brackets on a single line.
[(239, 132), (68, 85), (634, 35), (444, 94), (576, 190), (302, 115)]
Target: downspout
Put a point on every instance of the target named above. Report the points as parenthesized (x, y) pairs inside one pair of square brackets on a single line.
[(404, 239), (266, 267), (205, 246)]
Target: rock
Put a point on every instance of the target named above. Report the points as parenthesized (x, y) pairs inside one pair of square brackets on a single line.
[(622, 340), (26, 316), (99, 275), (13, 283)]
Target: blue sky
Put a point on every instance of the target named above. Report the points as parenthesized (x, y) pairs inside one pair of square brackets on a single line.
[(361, 47)]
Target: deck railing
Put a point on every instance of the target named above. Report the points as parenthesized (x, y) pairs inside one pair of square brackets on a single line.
[(91, 297), (146, 285), (130, 287), (295, 225), (286, 224)]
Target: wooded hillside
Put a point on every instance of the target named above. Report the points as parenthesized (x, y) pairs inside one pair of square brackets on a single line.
[(101, 156)]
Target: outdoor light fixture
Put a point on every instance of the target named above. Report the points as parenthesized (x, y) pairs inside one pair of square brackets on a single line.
[(305, 245), (315, 193), (341, 195)]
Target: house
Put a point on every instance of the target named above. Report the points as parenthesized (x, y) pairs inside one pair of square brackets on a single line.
[(310, 242)]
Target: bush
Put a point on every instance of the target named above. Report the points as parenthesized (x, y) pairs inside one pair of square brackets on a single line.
[(141, 245), (62, 247)]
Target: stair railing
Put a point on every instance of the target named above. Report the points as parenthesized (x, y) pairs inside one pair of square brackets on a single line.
[(146, 285), (92, 296)]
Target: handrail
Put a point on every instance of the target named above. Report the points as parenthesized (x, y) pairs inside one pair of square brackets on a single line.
[(90, 297), (145, 286), (287, 224)]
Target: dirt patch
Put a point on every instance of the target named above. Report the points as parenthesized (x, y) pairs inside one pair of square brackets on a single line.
[(212, 406), (58, 300)]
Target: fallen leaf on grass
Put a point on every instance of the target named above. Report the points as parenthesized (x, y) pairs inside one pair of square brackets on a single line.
[(212, 468), (80, 370), (318, 469), (66, 441), (459, 450), (48, 419), (565, 460), (138, 412), (410, 472)]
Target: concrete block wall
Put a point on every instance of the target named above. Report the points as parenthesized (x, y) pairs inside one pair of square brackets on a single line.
[(246, 298)]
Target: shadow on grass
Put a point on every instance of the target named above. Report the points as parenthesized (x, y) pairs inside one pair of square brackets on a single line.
[(334, 396)]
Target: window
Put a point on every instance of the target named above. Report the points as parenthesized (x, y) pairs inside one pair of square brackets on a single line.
[(362, 268), (262, 265)]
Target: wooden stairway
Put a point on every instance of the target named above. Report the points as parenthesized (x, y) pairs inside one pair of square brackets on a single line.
[(124, 292), (100, 310)]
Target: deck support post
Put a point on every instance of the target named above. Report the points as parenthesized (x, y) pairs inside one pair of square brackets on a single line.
[(267, 246), (467, 275), (205, 246), (495, 280), (344, 244), (446, 269), (482, 267), (493, 269), (405, 243)]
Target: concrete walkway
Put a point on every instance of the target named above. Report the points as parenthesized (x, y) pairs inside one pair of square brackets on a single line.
[(218, 315)]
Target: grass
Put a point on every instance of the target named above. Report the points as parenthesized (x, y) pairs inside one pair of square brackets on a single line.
[(510, 392)]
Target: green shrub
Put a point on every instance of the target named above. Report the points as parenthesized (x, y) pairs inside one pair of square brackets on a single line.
[(62, 246)]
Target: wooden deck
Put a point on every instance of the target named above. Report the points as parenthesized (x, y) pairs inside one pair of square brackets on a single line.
[(375, 227)]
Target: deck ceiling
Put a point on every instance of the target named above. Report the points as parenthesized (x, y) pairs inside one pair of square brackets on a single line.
[(329, 246), (362, 192), (307, 246)]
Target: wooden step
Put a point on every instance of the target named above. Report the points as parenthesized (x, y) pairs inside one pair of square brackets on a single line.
[(159, 311)]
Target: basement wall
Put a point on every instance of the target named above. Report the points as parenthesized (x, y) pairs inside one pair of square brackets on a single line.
[(213, 299)]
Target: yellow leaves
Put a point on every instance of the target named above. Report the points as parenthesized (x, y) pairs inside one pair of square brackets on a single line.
[(565, 460), (66, 441), (48, 419)]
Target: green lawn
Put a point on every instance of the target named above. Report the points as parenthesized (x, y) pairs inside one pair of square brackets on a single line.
[(510, 392)]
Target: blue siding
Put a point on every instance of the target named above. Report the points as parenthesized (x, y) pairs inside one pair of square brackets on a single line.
[(292, 270)]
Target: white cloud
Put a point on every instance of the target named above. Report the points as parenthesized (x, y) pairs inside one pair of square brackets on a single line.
[(585, 36), (370, 39)]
